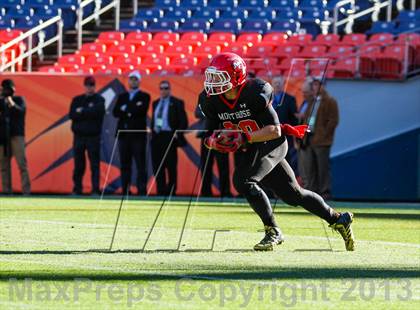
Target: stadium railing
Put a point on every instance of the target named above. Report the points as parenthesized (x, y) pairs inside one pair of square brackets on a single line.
[(81, 20), (31, 49)]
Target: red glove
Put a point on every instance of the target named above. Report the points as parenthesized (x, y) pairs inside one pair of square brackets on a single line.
[(296, 131), (225, 141)]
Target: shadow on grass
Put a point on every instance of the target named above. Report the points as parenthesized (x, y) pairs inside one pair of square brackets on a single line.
[(269, 273)]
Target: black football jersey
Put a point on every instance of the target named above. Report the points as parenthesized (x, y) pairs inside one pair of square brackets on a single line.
[(250, 111)]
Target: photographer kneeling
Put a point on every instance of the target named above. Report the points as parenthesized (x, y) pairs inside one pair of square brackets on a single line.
[(12, 137)]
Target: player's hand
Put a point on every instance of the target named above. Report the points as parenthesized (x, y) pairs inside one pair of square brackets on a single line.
[(225, 141), (296, 131)]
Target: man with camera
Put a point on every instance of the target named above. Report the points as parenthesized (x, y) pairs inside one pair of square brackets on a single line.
[(12, 137)]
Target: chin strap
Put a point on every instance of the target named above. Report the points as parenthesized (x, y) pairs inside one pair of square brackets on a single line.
[(296, 131)]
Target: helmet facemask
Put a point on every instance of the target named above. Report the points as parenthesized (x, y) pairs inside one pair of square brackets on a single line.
[(217, 81)]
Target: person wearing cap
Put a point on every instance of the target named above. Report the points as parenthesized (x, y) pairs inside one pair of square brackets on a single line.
[(322, 117), (131, 110), (12, 137), (87, 113), (168, 116)]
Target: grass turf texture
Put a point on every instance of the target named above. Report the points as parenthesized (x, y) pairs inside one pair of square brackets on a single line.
[(60, 246)]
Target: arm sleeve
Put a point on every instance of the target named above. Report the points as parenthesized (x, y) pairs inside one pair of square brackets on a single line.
[(264, 110), (72, 114), (211, 121), (95, 112)]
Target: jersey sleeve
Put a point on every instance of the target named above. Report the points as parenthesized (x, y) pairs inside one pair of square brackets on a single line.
[(206, 108), (263, 99)]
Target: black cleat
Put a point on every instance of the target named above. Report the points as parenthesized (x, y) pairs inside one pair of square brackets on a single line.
[(343, 226), (272, 237)]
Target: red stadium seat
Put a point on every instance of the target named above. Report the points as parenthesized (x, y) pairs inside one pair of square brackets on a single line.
[(155, 63), (285, 51), (263, 64), (102, 60), (269, 73), (300, 40), (150, 48), (192, 72), (138, 38), (72, 59), (176, 50), (179, 65), (206, 50), (319, 65), (165, 72), (111, 35), (8, 35), (391, 63), (275, 37), (354, 39), (130, 60), (92, 49), (125, 68), (222, 38), (413, 40), (51, 69), (327, 39), (193, 38), (345, 68), (314, 51), (288, 63), (122, 49), (251, 38), (260, 51), (367, 55), (203, 63), (381, 39), (340, 51), (81, 70), (111, 70), (238, 48), (165, 38)]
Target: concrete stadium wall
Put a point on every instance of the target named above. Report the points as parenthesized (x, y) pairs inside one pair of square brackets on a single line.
[(376, 154)]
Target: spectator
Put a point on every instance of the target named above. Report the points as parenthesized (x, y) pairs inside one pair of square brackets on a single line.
[(285, 106), (307, 100), (322, 118), (12, 137), (207, 169), (168, 116), (87, 114), (131, 110)]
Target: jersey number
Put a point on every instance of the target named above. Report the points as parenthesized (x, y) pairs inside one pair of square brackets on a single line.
[(246, 125)]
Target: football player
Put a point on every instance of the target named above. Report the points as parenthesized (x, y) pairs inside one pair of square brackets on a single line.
[(240, 118)]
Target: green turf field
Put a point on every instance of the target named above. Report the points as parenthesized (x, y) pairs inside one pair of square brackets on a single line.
[(55, 254)]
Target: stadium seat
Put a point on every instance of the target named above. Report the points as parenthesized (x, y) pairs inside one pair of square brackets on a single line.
[(260, 51), (179, 64), (92, 49), (194, 3), (284, 26), (408, 26), (165, 38), (109, 71), (167, 3), (281, 4), (155, 63), (266, 14), (391, 63), (178, 50), (275, 37), (285, 51), (354, 39), (300, 40), (259, 25), (253, 4), (138, 38), (367, 55), (206, 13), (312, 4), (228, 25), (223, 3), (97, 62), (150, 14), (340, 51), (122, 49), (51, 69), (178, 13), (235, 13), (382, 39), (251, 38), (314, 51), (9, 34), (318, 65), (382, 27), (112, 36), (197, 25), (345, 68), (205, 51), (288, 14), (413, 40), (163, 25), (73, 59), (263, 64), (222, 38), (239, 48), (193, 38), (407, 16), (327, 39), (150, 48)]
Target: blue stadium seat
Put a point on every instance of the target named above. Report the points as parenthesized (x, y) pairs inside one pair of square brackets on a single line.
[(319, 4), (202, 25), (193, 4), (266, 14), (381, 27), (281, 4), (226, 25), (163, 25), (20, 13), (166, 3), (6, 22), (310, 27), (69, 7), (10, 3), (27, 23), (260, 25), (409, 15), (208, 13), (253, 3), (235, 13), (223, 3), (178, 13), (149, 13), (132, 24), (282, 26), (288, 14), (408, 26), (313, 14), (37, 3)]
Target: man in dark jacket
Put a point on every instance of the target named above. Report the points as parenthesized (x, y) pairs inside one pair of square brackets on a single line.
[(12, 137), (168, 116), (131, 110), (87, 113), (285, 106)]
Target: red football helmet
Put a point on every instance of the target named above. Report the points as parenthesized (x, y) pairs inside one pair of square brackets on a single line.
[(226, 71)]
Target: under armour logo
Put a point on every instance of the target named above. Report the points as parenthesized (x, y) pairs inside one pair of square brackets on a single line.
[(243, 105)]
